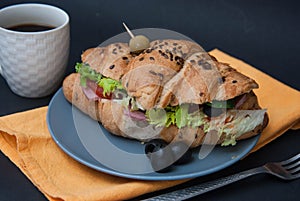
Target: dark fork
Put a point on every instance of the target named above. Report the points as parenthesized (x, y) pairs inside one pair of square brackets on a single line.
[(287, 170)]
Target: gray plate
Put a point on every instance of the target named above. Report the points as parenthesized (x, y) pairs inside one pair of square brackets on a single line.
[(89, 143)]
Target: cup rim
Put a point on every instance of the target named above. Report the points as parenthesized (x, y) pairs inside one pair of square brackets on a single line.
[(66, 22)]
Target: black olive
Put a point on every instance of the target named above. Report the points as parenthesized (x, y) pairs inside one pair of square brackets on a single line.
[(211, 111), (162, 156), (162, 159), (154, 145), (181, 152)]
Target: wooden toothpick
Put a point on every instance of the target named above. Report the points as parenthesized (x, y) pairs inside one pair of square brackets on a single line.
[(128, 30)]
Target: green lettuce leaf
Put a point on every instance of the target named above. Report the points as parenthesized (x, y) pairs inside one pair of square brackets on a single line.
[(157, 117), (171, 115), (109, 85), (176, 115), (86, 72), (181, 115)]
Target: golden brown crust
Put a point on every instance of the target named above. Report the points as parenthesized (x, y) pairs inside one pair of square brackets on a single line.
[(158, 64), (111, 61), (233, 83), (197, 82), (185, 73), (180, 48)]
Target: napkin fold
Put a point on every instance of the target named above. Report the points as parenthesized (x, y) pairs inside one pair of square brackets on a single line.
[(25, 139)]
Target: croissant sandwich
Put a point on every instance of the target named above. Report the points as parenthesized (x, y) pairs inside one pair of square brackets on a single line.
[(171, 90)]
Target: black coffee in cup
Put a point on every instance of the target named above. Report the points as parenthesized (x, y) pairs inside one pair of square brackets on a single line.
[(30, 28)]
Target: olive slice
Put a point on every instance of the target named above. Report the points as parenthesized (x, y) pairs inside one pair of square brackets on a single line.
[(162, 159), (154, 145), (181, 152)]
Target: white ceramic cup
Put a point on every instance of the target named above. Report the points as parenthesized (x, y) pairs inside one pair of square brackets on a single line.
[(34, 63)]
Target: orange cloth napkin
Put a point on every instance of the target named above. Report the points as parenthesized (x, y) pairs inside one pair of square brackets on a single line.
[(25, 139)]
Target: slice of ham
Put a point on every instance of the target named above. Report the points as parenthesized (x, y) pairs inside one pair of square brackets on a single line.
[(90, 90), (92, 85), (136, 115), (90, 94)]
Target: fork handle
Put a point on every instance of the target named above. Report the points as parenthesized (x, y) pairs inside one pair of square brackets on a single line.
[(192, 191)]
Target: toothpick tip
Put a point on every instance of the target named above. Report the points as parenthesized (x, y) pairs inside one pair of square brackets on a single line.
[(128, 30)]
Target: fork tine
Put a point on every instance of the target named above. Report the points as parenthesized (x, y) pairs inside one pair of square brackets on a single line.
[(290, 160), (292, 165), (296, 176), (295, 170)]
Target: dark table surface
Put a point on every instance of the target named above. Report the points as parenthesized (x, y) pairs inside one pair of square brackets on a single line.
[(264, 34)]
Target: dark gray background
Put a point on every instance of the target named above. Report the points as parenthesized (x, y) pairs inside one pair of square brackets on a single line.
[(265, 34)]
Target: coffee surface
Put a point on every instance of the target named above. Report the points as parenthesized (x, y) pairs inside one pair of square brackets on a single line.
[(30, 28)]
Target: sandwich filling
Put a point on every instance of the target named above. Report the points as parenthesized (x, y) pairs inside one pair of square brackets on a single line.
[(233, 117)]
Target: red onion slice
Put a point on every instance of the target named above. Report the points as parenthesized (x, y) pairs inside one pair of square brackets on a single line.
[(240, 101)]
